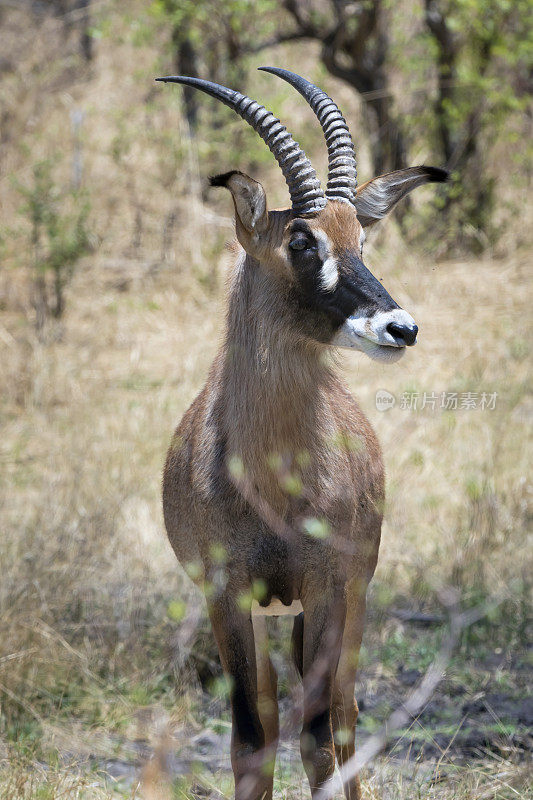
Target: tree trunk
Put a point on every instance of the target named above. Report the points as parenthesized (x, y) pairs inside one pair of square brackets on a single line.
[(446, 76), (186, 61), (387, 141), (360, 61)]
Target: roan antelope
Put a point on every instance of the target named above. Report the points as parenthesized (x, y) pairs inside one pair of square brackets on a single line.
[(275, 449)]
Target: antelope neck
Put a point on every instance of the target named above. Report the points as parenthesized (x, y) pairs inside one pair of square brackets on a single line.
[(275, 381)]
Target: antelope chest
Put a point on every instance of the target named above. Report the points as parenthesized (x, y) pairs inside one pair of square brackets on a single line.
[(273, 564)]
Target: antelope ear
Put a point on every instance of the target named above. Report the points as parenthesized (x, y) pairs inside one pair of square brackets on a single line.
[(249, 199), (375, 198)]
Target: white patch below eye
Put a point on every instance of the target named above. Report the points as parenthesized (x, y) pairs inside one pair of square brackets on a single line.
[(329, 273)]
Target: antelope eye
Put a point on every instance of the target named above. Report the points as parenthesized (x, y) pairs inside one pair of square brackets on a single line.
[(299, 242)]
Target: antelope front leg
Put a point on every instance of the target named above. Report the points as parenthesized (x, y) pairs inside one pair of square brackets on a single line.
[(267, 699), (235, 639), (344, 709), (324, 614)]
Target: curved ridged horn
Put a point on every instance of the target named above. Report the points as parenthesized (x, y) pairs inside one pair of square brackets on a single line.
[(306, 194), (342, 166)]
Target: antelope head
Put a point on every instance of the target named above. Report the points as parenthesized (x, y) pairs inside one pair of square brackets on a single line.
[(313, 251)]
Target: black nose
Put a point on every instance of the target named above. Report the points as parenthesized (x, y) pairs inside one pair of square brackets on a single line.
[(403, 332)]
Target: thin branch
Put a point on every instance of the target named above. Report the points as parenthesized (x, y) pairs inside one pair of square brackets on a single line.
[(280, 38), (415, 701)]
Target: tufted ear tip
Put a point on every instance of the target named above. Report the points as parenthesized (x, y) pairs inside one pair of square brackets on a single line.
[(223, 178), (436, 174), (249, 199)]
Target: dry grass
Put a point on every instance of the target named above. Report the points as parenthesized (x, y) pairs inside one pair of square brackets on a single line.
[(496, 780), (87, 574)]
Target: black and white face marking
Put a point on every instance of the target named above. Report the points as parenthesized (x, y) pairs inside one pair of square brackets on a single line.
[(312, 256), (351, 307)]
